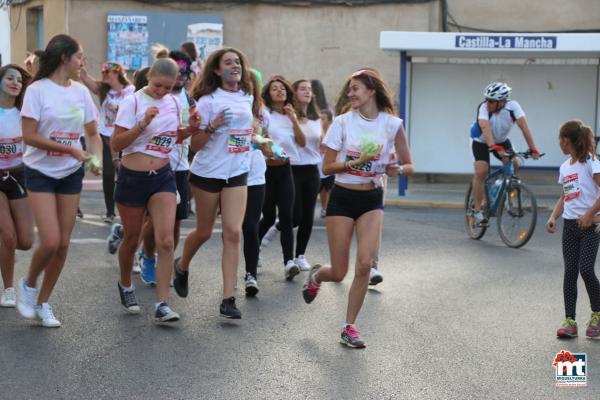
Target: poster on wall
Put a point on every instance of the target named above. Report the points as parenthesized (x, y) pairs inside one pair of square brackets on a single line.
[(207, 36), (128, 40)]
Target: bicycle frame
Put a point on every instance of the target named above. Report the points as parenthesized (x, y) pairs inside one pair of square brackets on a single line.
[(509, 174)]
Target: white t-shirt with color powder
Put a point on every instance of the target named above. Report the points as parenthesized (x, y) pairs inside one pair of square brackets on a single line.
[(61, 112), (281, 131), (580, 191), (160, 136), (501, 122), (345, 136), (227, 152), (309, 154), (109, 109), (11, 138)]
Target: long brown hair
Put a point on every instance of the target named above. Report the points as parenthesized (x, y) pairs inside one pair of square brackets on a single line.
[(312, 112), (289, 91), (104, 87), (209, 81), (59, 49), (373, 81), (581, 138), (257, 102), (25, 80)]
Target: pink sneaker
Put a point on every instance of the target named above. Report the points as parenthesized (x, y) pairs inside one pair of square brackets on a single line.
[(351, 338), (567, 329), (593, 328), (311, 289)]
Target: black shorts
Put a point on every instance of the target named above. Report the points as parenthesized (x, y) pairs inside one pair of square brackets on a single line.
[(12, 184), (353, 203), (35, 182), (214, 185), (327, 183), (482, 153), (183, 210), (134, 188)]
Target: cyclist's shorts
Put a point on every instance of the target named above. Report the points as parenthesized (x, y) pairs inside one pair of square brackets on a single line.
[(482, 153)]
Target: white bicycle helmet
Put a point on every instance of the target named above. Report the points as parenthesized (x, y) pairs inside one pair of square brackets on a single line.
[(497, 91)]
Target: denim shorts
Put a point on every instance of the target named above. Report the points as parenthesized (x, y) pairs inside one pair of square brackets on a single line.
[(12, 184), (214, 185), (353, 203), (134, 188), (35, 181)]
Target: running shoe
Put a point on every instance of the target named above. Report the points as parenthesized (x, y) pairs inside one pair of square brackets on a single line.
[(567, 329), (79, 213), (44, 313), (593, 326), (375, 276), (351, 338), (108, 219), (311, 288), (323, 213), (115, 238), (251, 285), (290, 270), (8, 298), (148, 275), (128, 299), (180, 280), (165, 314), (229, 310), (302, 262), (26, 299), (137, 262), (269, 236)]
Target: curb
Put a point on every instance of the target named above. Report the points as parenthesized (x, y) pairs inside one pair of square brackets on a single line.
[(435, 204)]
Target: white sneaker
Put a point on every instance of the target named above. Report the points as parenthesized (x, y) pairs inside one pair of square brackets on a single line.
[(45, 314), (9, 298), (479, 218), (302, 263), (26, 300), (137, 262), (291, 269), (269, 236), (375, 277), (323, 213)]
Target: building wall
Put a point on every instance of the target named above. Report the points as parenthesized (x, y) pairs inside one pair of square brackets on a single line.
[(5, 36)]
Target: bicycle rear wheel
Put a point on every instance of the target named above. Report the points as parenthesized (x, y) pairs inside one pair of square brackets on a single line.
[(474, 231), (517, 215)]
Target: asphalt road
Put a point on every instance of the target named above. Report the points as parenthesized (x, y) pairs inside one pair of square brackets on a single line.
[(453, 319)]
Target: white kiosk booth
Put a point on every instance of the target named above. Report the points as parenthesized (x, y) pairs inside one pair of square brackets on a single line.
[(555, 77)]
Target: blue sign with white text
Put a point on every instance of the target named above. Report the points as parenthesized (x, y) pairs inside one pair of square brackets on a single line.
[(505, 42)]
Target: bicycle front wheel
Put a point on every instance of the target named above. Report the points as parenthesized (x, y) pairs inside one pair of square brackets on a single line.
[(517, 215), (474, 230)]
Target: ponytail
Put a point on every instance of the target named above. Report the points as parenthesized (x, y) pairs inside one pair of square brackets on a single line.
[(581, 138)]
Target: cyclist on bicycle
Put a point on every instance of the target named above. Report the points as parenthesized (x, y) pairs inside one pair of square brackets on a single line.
[(495, 118)]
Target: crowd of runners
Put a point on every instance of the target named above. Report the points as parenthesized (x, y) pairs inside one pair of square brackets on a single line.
[(208, 139)]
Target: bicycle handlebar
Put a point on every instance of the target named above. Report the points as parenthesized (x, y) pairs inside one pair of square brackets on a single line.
[(525, 154)]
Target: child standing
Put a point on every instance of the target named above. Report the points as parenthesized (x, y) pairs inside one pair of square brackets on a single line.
[(579, 204)]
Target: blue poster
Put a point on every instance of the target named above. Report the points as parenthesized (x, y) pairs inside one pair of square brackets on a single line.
[(128, 40)]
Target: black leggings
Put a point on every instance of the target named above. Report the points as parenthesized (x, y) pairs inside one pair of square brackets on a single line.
[(279, 193), (108, 176), (256, 197), (307, 184), (579, 252)]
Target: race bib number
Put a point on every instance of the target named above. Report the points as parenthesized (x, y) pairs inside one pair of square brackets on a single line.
[(11, 148), (110, 114), (571, 187), (64, 138), (366, 170), (238, 140), (163, 142)]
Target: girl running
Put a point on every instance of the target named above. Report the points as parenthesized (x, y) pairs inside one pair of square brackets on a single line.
[(16, 230), (146, 129), (361, 145), (579, 206), (56, 111), (219, 171), (285, 131), (111, 90)]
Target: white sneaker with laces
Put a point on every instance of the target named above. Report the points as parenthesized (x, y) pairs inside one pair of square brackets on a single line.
[(9, 298), (269, 236), (45, 314), (375, 277), (291, 269), (303, 263), (26, 299)]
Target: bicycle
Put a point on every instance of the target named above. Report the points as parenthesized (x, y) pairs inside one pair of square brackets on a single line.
[(508, 199)]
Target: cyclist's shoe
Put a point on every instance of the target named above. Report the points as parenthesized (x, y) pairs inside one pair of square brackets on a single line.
[(593, 328), (351, 338), (479, 219), (568, 329)]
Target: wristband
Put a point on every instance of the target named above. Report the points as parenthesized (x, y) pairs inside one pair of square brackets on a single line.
[(534, 150)]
